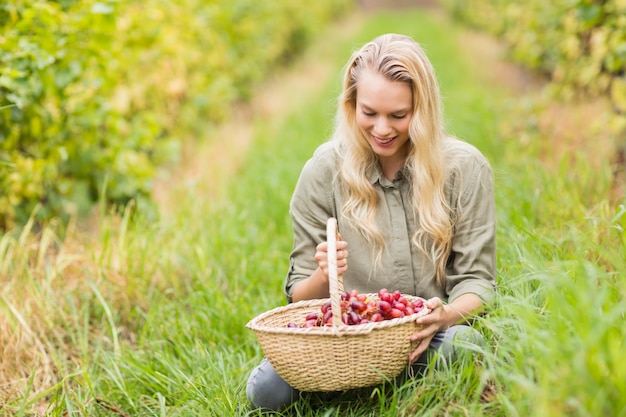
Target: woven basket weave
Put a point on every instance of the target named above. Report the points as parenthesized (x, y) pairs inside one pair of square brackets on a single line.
[(337, 357)]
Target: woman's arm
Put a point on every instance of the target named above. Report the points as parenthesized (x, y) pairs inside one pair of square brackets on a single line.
[(317, 286)]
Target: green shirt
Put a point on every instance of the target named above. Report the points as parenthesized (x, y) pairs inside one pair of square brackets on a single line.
[(471, 266)]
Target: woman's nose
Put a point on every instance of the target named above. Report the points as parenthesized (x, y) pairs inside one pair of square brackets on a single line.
[(382, 127)]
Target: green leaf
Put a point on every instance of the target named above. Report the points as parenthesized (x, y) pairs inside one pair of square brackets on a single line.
[(589, 15), (7, 163)]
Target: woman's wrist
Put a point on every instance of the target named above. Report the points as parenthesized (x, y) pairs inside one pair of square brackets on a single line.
[(451, 316), (315, 286), (462, 309)]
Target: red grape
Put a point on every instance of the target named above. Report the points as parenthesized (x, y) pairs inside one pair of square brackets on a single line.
[(358, 306), (362, 308), (384, 306), (399, 306), (326, 306), (396, 314), (311, 316)]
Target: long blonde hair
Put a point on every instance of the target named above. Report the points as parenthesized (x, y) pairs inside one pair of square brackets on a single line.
[(398, 58)]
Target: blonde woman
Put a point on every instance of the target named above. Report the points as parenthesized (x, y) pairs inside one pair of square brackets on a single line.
[(414, 206)]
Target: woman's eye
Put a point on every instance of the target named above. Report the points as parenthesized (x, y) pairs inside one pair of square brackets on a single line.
[(368, 114), (399, 116)]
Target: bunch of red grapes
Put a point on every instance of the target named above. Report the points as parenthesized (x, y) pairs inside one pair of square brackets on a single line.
[(360, 309)]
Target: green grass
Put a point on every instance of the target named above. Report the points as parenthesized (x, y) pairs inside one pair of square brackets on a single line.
[(150, 320)]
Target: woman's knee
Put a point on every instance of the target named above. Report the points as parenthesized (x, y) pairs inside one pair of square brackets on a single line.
[(266, 390), (460, 340), (448, 346)]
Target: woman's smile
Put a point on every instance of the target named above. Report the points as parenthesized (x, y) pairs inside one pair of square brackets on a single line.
[(384, 142)]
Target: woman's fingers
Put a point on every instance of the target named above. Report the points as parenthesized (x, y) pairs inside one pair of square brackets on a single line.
[(431, 324), (421, 347), (435, 305), (321, 256), (321, 251)]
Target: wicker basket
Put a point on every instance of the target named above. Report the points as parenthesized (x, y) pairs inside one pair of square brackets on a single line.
[(337, 357)]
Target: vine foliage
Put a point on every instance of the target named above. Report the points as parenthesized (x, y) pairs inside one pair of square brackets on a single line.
[(579, 44), (91, 91)]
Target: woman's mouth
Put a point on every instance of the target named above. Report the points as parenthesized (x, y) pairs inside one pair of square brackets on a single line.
[(383, 141)]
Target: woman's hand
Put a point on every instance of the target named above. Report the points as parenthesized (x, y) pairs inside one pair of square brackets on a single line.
[(441, 317), (317, 285), (432, 323), (321, 256)]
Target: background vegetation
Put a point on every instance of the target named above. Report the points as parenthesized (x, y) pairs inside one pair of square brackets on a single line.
[(146, 315), (580, 45), (92, 92)]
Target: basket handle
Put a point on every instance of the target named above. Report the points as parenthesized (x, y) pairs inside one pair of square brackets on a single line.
[(335, 281)]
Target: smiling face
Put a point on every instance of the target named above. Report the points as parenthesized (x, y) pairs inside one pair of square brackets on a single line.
[(383, 112)]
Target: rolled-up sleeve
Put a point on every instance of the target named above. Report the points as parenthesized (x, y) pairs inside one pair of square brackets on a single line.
[(472, 264), (311, 205)]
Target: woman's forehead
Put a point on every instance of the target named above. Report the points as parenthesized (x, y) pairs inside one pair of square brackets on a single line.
[(375, 92)]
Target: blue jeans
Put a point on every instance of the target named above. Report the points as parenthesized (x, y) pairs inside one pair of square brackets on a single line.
[(266, 390)]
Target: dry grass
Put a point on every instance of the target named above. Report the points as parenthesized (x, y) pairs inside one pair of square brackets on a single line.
[(50, 288), (35, 268)]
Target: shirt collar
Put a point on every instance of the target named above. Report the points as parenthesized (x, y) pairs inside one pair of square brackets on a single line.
[(375, 175)]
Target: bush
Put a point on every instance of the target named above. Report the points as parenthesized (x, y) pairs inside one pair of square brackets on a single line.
[(91, 92), (579, 44)]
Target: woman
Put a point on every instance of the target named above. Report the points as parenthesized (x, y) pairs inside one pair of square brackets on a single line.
[(415, 206)]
